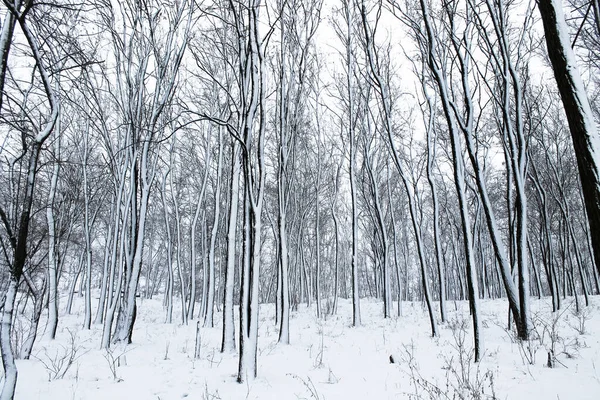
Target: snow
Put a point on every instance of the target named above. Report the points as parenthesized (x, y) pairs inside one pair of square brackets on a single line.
[(327, 358)]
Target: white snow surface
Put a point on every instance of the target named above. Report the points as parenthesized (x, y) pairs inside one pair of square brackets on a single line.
[(327, 358)]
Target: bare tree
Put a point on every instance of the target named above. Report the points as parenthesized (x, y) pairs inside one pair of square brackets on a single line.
[(16, 222), (346, 32), (385, 101), (166, 52)]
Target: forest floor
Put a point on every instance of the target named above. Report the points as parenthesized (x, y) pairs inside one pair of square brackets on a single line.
[(328, 359)]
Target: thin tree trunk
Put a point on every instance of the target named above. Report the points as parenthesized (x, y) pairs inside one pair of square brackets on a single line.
[(168, 300), (208, 318), (349, 64), (52, 248), (182, 286), (39, 295), (228, 339), (431, 155), (8, 358), (193, 268), (87, 320)]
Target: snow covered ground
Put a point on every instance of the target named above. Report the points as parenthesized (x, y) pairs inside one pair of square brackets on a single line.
[(328, 359)]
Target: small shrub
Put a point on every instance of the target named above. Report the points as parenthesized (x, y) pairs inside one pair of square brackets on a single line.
[(310, 386), (207, 395), (464, 380), (58, 363), (114, 360), (581, 317)]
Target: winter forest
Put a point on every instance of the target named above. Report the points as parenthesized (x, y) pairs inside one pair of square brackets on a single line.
[(300, 199)]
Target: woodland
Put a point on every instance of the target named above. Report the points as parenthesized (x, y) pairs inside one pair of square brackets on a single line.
[(309, 159)]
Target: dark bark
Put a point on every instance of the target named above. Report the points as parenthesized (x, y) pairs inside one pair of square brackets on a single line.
[(583, 130)]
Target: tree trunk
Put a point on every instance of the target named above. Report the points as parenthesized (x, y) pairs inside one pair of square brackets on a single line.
[(193, 268), (168, 300), (182, 286), (8, 358), (208, 318), (584, 132), (87, 320), (350, 70), (228, 343), (52, 250)]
